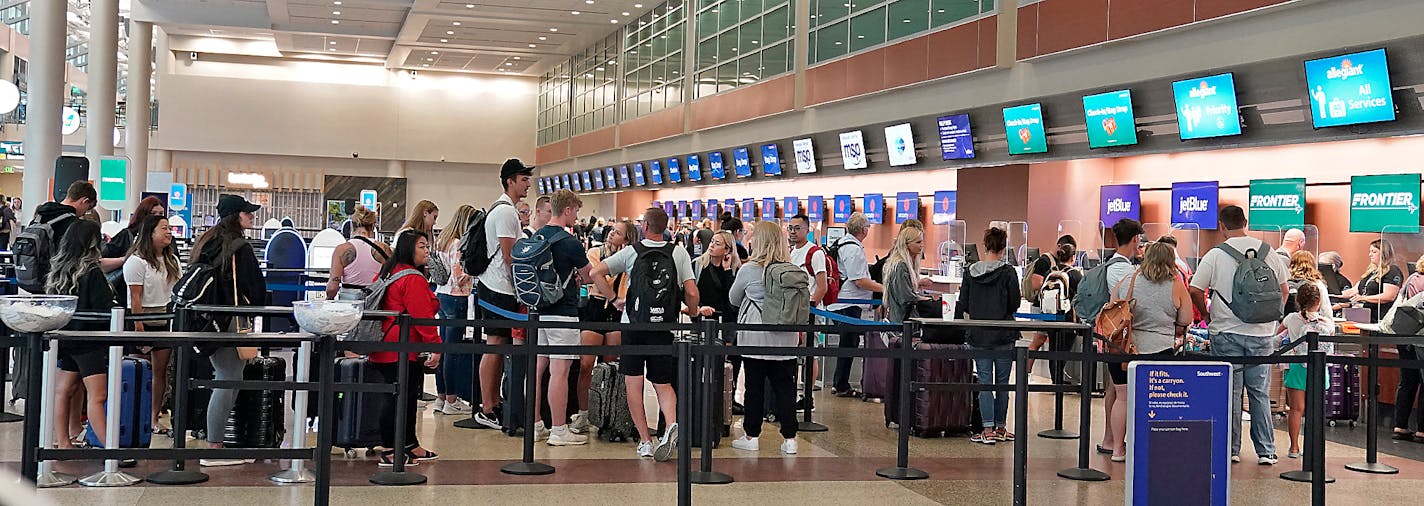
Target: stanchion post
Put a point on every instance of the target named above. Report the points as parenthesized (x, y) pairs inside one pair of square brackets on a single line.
[(29, 463), (709, 363), (1371, 464), (684, 416), (1313, 429), (178, 475), (398, 475), (1020, 425), (326, 413), (527, 466), (43, 476), (471, 423), (808, 423), (905, 362), (111, 476), (298, 472), (1085, 472), (1316, 391), (1055, 371)]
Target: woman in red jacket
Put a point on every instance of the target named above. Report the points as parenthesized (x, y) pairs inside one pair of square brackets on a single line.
[(408, 295)]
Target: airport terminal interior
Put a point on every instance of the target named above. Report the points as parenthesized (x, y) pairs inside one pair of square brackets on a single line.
[(905, 141)]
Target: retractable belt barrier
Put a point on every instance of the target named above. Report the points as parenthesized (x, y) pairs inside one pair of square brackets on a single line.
[(697, 345)]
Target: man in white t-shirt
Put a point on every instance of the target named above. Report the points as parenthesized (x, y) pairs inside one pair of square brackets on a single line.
[(812, 259), (1232, 337), (661, 370), (496, 286), (850, 258)]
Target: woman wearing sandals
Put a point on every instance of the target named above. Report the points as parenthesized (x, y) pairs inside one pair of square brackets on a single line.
[(410, 294), (150, 273)]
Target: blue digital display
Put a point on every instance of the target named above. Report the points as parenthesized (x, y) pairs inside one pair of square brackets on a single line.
[(1194, 204), (956, 141), (742, 161), (1206, 107), (674, 172), (845, 205), (768, 208), (816, 208), (694, 168), (639, 176), (875, 208), (612, 181), (587, 181), (715, 166), (623, 180), (655, 172), (791, 206), (1349, 89), (770, 160), (598, 179), (748, 210)]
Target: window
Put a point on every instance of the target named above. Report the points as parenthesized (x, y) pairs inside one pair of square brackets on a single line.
[(841, 27), (554, 102), (594, 76), (742, 42), (653, 52)]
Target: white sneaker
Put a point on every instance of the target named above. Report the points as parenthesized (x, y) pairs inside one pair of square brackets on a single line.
[(789, 447), (454, 408), (645, 449), (1267, 460), (1235, 459), (224, 462), (540, 432), (579, 424), (561, 436), (750, 444), (439, 405), (668, 446)]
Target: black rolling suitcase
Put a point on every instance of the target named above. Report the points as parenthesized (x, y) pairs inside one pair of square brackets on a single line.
[(358, 414), (257, 418)]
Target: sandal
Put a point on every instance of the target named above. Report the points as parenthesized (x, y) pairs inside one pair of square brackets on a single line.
[(1418, 437), (849, 392), (429, 455), (388, 460), (1104, 450), (162, 431)]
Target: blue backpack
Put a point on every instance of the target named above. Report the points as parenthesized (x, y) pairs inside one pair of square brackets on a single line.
[(536, 283)]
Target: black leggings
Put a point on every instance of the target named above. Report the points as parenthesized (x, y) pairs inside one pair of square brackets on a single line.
[(781, 374), (415, 378), (1409, 390)]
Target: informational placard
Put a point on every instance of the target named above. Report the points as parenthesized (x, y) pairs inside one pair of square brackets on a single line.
[(945, 207), (770, 160), (805, 156), (790, 206), (1384, 203), (907, 207), (1349, 89), (113, 180), (694, 168), (655, 172), (1276, 204), (730, 206), (715, 166), (748, 210), (1110, 120), (1194, 204), (178, 197), (816, 208), (368, 199), (900, 145), (853, 150), (1206, 107), (714, 208), (742, 162), (1178, 433), (768, 209), (844, 206), (640, 177), (875, 208), (956, 141), (1120, 201), (674, 171), (1024, 126)]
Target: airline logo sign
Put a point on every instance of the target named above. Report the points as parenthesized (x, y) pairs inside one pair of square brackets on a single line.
[(1277, 204), (1118, 202), (805, 156), (944, 207), (1384, 203), (715, 166), (844, 206), (907, 206), (1206, 107), (1350, 89), (1194, 204), (853, 150)]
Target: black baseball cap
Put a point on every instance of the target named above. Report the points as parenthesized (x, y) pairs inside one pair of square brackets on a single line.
[(229, 204), (513, 167)]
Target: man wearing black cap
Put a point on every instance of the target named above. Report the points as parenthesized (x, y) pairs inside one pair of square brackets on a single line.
[(496, 285)]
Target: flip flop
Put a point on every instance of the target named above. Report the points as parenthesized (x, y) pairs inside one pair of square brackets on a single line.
[(1104, 450)]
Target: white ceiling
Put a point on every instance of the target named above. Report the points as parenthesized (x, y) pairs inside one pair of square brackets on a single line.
[(483, 36)]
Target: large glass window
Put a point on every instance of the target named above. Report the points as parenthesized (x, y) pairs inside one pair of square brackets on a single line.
[(554, 101), (653, 57), (841, 27), (741, 42), (594, 77)]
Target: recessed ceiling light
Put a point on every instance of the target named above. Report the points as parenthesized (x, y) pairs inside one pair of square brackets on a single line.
[(575, 12), (627, 14), (457, 23), (541, 37), (838, 43), (904, 21), (429, 59), (337, 2), (426, 65), (553, 29), (335, 13), (469, 6), (331, 49), (755, 42), (434, 52), (590, 2), (516, 57), (335, 22), (614, 21), (531, 45), (333, 43), (637, 6), (941, 11), (507, 64), (860, 36), (449, 32), (444, 40)]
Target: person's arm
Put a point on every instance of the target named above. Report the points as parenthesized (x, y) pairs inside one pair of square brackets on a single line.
[(820, 293), (738, 292), (691, 298), (458, 277), (506, 248), (1388, 292), (1015, 295), (1182, 299), (112, 264), (869, 284), (343, 255), (134, 271), (1201, 282), (1199, 302)]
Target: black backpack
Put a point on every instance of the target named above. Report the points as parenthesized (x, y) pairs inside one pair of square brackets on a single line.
[(654, 292), (475, 249), (33, 249), (199, 285)]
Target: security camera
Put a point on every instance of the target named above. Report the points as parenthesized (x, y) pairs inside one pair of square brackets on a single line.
[(193, 55), (355, 154)]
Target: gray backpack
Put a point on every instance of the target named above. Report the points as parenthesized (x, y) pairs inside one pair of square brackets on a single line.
[(374, 330), (1094, 292), (608, 405), (788, 294), (1255, 290)]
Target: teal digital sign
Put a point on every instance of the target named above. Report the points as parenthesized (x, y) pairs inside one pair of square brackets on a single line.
[(1385, 203), (1206, 107), (1024, 126), (1276, 204), (1110, 120), (1349, 89)]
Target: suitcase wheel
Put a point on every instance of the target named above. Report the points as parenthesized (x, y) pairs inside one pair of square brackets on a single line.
[(350, 453)]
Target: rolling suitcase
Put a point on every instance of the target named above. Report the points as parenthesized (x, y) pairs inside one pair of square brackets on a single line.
[(358, 414), (938, 413), (877, 375), (257, 417), (135, 406), (1342, 398)]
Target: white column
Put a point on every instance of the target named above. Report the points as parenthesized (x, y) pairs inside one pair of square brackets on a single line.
[(395, 168), (103, 74), (46, 99), (138, 101)]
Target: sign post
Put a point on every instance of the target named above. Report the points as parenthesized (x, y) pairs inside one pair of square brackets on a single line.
[(1179, 432)]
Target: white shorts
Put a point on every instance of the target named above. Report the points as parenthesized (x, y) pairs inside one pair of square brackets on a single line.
[(560, 337)]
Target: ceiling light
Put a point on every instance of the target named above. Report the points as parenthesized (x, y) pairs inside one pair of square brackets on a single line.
[(449, 32), (444, 40), (541, 37), (337, 2), (614, 21), (531, 45), (516, 57), (335, 22), (331, 49), (838, 43), (755, 42), (600, 69), (590, 2), (429, 59), (553, 29), (508, 64), (426, 65), (434, 52), (575, 12), (860, 36), (627, 14), (905, 21), (941, 11), (457, 23), (333, 43), (637, 6), (469, 6)]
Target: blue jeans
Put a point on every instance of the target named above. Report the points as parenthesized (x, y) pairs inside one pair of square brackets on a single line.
[(841, 381), (1256, 381), (994, 406), (453, 307)]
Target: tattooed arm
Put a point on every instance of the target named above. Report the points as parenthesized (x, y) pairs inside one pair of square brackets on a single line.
[(343, 256)]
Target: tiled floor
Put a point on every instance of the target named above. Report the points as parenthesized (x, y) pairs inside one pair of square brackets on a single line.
[(835, 467)]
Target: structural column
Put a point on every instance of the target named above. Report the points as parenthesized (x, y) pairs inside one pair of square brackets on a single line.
[(395, 168), (138, 101), (46, 99), (103, 73)]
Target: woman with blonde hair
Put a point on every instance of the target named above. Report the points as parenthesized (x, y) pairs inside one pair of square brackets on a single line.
[(601, 309), (354, 264), (902, 273), (454, 298), (768, 246), (1303, 270), (423, 217)]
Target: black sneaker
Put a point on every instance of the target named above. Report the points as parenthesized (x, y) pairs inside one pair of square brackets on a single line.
[(738, 409), (802, 404), (490, 420)]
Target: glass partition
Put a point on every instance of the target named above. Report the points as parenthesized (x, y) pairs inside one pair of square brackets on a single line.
[(1089, 241), (1188, 236), (952, 251), (1408, 246), (1017, 252)]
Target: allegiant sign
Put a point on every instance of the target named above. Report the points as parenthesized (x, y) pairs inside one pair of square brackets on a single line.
[(1385, 203)]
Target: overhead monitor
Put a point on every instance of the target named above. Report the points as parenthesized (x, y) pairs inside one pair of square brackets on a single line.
[(674, 171), (714, 165), (1120, 201), (770, 160), (1206, 107), (695, 207), (610, 181), (577, 182), (768, 208), (655, 172), (623, 179), (694, 168), (587, 181), (844, 206), (816, 208), (1024, 127), (1110, 119), (742, 162), (956, 141), (1276, 204), (853, 150), (597, 179), (748, 210), (1194, 204), (568, 182), (900, 145), (1385, 203), (640, 177), (1349, 89), (805, 156)]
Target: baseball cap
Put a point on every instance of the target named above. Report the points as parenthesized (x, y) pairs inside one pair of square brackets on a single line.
[(229, 204), (513, 167)]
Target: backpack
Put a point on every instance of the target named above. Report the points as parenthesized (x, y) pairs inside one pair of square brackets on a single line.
[(198, 285), (1026, 284), (833, 274), (1053, 295), (439, 271), (475, 250), (1255, 290), (654, 292), (1114, 321), (788, 294), (373, 296), (1093, 292), (33, 249), (536, 283)]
